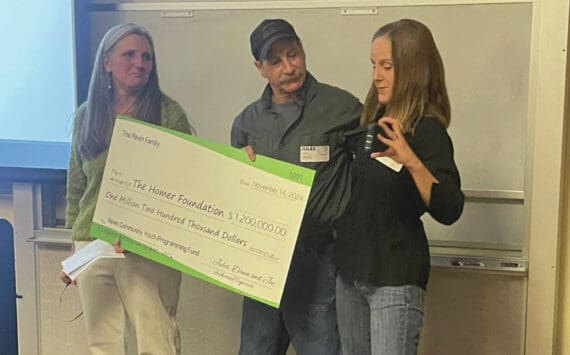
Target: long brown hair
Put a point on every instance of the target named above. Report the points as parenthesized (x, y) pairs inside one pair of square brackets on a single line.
[(94, 129), (419, 79)]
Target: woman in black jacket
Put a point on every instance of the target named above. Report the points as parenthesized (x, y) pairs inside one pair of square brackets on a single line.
[(404, 169)]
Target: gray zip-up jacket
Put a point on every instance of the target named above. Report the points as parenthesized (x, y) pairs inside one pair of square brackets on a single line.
[(329, 117)]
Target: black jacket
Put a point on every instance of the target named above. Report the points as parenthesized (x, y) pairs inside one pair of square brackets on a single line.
[(381, 238)]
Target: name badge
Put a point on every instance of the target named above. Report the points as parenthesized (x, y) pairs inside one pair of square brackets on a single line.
[(389, 162), (314, 153)]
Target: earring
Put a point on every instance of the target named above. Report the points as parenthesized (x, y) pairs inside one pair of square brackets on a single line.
[(110, 85)]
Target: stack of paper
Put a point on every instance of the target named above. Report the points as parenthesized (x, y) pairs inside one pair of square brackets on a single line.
[(79, 261)]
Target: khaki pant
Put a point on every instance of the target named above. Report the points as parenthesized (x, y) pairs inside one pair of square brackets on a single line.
[(146, 291)]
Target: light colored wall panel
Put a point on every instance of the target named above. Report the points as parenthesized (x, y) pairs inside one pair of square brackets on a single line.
[(548, 85), (562, 345), (468, 313), (204, 62), (473, 313), (59, 334), (209, 317)]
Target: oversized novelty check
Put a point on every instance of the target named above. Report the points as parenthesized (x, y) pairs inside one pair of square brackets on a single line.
[(202, 208)]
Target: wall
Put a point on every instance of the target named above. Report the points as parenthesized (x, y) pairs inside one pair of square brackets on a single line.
[(453, 296), (563, 330), (58, 306), (563, 305), (208, 316), (337, 47), (547, 106), (468, 313)]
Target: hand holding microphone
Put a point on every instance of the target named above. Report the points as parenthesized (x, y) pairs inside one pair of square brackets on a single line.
[(390, 142)]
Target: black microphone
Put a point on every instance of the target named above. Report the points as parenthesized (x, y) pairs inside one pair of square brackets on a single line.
[(372, 143)]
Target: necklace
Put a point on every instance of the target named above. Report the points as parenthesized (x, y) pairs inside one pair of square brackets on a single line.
[(124, 112)]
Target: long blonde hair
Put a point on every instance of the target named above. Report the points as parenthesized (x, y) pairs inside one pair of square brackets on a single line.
[(419, 79)]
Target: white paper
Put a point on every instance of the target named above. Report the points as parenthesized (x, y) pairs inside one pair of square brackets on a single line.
[(79, 261), (391, 163)]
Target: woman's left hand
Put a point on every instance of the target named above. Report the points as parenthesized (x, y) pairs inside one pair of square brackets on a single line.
[(398, 148), (66, 279), (117, 246)]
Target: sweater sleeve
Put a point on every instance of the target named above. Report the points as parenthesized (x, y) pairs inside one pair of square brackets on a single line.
[(435, 149), (174, 117), (76, 179)]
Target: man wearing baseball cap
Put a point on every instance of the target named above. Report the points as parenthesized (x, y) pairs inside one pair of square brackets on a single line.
[(311, 124)]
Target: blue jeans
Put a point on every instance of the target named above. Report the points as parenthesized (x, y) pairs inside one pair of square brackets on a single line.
[(379, 320), (306, 317)]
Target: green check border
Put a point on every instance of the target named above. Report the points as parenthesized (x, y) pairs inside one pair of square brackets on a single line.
[(269, 165), (109, 235)]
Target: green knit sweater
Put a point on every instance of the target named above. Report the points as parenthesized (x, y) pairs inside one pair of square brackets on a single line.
[(84, 176)]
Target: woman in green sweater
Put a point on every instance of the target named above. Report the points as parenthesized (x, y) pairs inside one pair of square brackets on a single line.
[(124, 82)]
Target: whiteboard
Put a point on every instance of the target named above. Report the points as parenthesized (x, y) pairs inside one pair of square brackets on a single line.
[(204, 62)]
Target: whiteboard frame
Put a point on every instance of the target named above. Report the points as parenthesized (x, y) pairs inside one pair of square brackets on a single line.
[(304, 4)]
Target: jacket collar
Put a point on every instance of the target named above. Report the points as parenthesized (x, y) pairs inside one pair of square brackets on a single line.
[(305, 94)]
